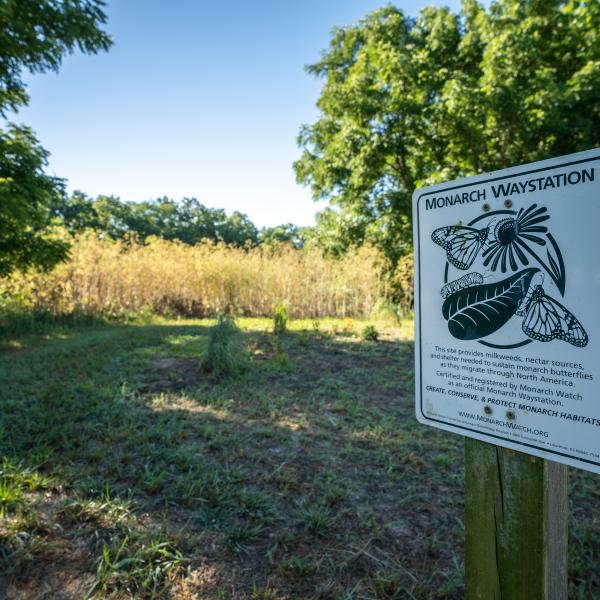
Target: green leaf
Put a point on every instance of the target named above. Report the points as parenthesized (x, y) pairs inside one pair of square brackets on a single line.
[(480, 310)]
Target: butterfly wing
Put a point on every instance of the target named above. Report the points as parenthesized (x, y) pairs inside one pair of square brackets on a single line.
[(546, 319), (462, 244), (524, 305), (441, 235)]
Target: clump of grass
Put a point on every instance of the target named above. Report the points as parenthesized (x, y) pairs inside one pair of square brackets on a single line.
[(370, 334), (256, 505), (281, 360), (107, 511), (137, 567), (317, 519), (241, 536), (333, 493), (266, 593), (301, 566), (280, 319), (15, 481), (226, 354), (11, 494), (386, 585), (212, 489)]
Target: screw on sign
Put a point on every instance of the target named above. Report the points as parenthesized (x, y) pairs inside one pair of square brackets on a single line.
[(506, 333)]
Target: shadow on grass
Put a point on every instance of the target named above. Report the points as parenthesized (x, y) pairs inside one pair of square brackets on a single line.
[(306, 476)]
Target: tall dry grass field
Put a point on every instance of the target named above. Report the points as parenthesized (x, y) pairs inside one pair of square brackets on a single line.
[(113, 277)]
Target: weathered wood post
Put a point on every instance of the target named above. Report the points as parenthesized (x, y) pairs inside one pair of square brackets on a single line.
[(516, 525)]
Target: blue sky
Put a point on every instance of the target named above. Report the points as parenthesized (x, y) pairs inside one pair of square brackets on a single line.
[(195, 98)]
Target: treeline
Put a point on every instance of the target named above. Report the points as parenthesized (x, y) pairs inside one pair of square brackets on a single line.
[(188, 221)]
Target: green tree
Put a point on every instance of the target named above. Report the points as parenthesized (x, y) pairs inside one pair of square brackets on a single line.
[(113, 216), (288, 233), (197, 222), (35, 35), (76, 212), (407, 102), (239, 230), (26, 192)]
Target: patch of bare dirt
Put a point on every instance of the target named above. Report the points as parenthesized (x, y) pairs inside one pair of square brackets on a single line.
[(171, 374), (53, 568)]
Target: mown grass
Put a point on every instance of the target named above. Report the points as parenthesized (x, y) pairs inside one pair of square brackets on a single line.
[(128, 471)]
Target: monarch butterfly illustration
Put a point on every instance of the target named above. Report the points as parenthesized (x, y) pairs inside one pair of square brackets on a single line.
[(546, 319), (461, 243), (463, 282)]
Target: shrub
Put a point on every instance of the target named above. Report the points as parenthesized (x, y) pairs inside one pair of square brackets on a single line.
[(370, 334), (226, 353), (280, 319)]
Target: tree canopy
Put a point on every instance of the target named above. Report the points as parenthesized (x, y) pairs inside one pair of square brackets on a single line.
[(25, 194), (286, 233), (188, 221), (35, 35), (407, 102)]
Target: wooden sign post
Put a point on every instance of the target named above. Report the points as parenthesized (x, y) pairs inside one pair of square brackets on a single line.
[(507, 340), (516, 525)]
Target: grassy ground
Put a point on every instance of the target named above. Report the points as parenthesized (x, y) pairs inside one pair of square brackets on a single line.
[(129, 472)]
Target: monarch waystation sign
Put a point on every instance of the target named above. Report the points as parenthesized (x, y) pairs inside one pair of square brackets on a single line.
[(507, 308)]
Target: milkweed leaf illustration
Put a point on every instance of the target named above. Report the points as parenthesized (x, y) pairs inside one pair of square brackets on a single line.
[(480, 310)]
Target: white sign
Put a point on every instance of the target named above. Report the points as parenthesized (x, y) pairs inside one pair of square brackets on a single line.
[(507, 308)]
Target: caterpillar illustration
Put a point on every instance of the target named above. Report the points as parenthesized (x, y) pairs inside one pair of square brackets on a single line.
[(467, 280)]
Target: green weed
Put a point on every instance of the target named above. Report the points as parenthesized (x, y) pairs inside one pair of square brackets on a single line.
[(370, 334), (281, 360), (280, 319)]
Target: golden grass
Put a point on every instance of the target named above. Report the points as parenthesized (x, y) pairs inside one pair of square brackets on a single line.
[(115, 277)]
